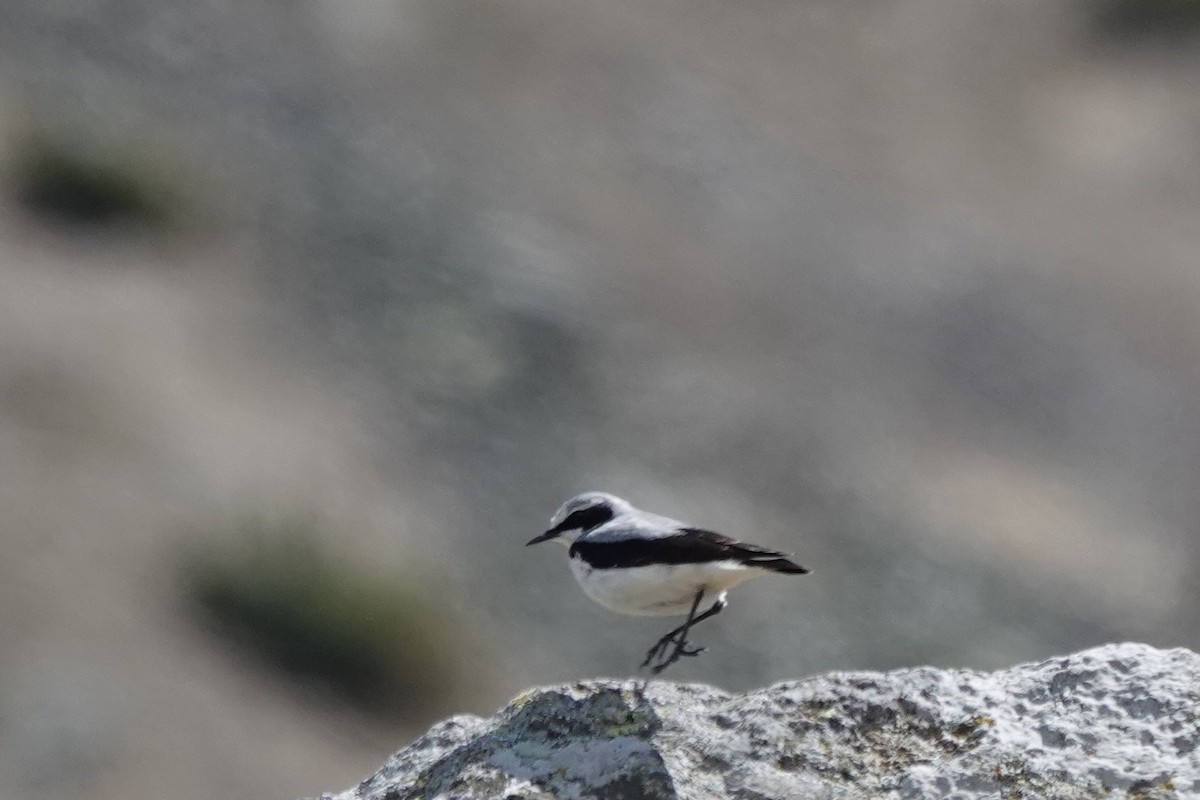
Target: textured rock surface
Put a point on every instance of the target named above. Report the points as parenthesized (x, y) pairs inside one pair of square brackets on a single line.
[(1116, 721)]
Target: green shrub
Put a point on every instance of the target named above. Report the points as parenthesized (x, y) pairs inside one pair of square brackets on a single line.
[(377, 642), (1148, 19), (74, 181)]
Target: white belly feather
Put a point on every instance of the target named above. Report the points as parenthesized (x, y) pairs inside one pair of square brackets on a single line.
[(659, 590)]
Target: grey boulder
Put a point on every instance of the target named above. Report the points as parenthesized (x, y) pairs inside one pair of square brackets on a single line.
[(1116, 721)]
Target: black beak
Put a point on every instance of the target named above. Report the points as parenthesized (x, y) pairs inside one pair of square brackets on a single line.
[(545, 537)]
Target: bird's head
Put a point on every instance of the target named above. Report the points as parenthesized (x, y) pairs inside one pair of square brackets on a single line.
[(580, 514)]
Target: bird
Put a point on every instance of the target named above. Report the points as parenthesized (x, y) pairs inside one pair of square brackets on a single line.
[(636, 562)]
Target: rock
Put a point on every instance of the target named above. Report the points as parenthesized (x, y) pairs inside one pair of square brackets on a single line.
[(1116, 721)]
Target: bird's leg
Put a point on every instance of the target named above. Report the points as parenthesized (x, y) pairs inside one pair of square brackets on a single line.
[(661, 644), (681, 648), (678, 636)]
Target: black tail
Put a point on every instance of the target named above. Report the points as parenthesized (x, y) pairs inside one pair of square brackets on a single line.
[(778, 564), (766, 558), (712, 546)]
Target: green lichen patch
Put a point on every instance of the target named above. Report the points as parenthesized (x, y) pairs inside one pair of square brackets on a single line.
[(1161, 789)]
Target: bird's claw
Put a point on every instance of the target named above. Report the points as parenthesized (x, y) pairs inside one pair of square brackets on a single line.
[(655, 652), (659, 653)]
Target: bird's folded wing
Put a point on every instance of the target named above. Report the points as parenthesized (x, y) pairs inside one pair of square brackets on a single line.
[(682, 546)]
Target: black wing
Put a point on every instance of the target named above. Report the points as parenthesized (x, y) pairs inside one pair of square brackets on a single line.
[(687, 546)]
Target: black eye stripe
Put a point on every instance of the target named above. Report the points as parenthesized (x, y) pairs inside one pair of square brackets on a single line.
[(586, 518)]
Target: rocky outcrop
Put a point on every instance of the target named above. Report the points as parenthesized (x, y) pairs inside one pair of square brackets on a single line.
[(1118, 721)]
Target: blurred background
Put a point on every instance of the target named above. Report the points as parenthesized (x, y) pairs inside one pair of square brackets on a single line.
[(312, 313)]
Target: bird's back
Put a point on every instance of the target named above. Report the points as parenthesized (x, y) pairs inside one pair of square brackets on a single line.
[(641, 538)]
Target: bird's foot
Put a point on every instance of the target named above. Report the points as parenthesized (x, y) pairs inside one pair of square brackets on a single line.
[(660, 653), (658, 650)]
